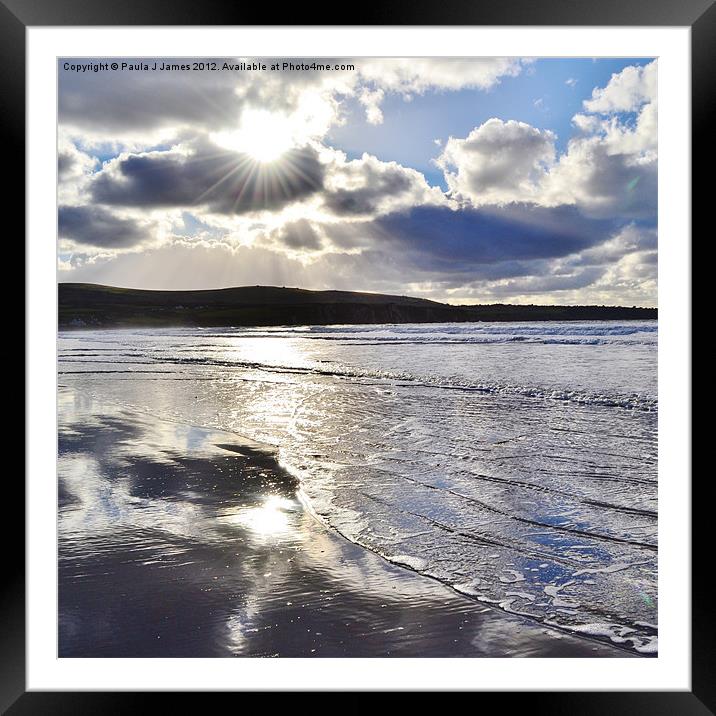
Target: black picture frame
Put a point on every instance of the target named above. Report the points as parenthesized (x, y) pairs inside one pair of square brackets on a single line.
[(699, 15)]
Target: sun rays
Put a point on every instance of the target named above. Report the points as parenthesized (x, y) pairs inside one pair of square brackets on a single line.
[(263, 135)]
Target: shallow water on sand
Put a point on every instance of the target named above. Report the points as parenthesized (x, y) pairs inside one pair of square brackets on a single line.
[(180, 541), (514, 463)]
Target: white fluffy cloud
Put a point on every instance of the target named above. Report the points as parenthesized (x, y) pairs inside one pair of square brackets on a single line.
[(367, 187), (603, 182), (609, 167), (414, 75), (612, 165), (632, 91), (626, 91), (498, 162)]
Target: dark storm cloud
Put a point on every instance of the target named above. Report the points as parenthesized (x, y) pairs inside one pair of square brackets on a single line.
[(221, 181), (94, 226), (441, 237)]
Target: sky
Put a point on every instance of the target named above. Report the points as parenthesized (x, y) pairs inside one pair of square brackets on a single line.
[(477, 180)]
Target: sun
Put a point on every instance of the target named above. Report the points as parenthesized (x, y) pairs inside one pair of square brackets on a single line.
[(265, 136)]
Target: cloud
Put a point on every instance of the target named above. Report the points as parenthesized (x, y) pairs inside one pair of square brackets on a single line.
[(371, 100), (368, 187), (71, 163), (299, 235), (632, 91), (95, 226), (139, 101), (200, 174), (603, 183), (624, 266), (619, 267), (547, 283), (415, 75), (472, 238), (132, 105), (626, 91), (612, 166), (498, 162), (133, 109), (629, 240), (181, 203), (174, 266), (74, 170), (608, 169)]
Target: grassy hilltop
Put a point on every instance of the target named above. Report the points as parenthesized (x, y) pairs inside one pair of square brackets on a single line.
[(85, 305)]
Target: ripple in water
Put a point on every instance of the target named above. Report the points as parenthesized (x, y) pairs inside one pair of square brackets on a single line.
[(515, 463)]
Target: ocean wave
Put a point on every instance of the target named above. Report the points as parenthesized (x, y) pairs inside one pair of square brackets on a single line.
[(450, 334), (630, 401), (543, 329), (475, 467)]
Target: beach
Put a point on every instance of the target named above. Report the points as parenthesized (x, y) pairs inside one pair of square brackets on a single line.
[(329, 388), (437, 489), (182, 541)]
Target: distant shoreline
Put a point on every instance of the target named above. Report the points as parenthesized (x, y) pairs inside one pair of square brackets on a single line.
[(88, 306)]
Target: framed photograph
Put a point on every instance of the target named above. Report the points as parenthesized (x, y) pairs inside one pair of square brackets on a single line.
[(358, 357)]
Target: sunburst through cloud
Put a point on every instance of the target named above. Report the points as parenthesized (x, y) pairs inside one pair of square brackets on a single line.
[(357, 357)]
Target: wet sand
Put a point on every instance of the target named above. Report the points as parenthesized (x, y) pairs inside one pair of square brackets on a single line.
[(177, 541)]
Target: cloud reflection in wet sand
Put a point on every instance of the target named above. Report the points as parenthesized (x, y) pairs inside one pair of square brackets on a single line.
[(181, 541)]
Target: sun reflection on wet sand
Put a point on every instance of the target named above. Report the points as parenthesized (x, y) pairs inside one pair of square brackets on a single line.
[(272, 517), (273, 351), (183, 541)]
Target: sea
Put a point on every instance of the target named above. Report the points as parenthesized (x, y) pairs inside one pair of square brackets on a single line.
[(515, 463)]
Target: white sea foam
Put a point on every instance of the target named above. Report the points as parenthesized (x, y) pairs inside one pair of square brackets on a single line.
[(407, 560), (513, 462)]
